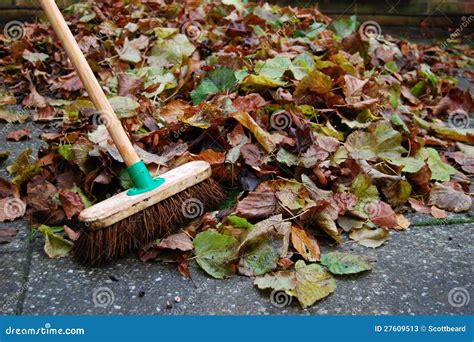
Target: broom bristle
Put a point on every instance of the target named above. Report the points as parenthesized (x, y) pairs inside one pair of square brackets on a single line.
[(95, 247)]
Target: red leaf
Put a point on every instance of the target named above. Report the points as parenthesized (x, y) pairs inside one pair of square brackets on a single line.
[(382, 215), (257, 204), (21, 134), (71, 203)]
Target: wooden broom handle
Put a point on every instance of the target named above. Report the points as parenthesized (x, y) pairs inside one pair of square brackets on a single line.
[(107, 115)]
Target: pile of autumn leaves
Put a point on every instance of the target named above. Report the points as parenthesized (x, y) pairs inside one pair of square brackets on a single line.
[(319, 132)]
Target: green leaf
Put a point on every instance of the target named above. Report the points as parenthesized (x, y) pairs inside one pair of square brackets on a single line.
[(286, 157), (85, 200), (398, 121), (238, 4), (316, 82), (218, 80), (172, 51), (165, 32), (440, 171), (391, 67), (65, 151), (410, 164), (260, 82), (313, 283), (55, 246), (260, 256), (124, 106), (129, 53), (345, 26), (314, 30), (239, 222), (273, 68), (345, 263), (302, 65), (125, 179), (380, 141), (394, 95), (205, 88), (22, 169), (362, 187), (214, 253), (418, 89), (426, 72)]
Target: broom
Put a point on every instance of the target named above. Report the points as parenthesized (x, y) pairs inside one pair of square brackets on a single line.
[(153, 208)]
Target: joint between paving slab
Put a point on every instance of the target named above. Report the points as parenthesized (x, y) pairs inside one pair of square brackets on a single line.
[(22, 296)]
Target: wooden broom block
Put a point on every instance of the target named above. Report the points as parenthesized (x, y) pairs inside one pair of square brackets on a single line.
[(121, 206)]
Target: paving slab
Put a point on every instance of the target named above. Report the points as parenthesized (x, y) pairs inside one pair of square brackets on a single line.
[(415, 273), (13, 281), (20, 241), (16, 147)]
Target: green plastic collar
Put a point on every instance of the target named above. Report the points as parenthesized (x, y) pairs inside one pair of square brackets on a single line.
[(142, 180)]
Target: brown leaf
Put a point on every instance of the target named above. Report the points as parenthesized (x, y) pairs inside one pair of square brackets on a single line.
[(8, 189), (211, 156), (40, 194), (34, 99), (237, 136), (71, 234), (21, 134), (438, 213), (305, 244), (174, 111), (129, 85), (382, 214), (345, 201), (45, 114), (419, 206), (252, 155), (7, 235), (249, 103), (180, 241), (421, 179), (402, 222), (183, 266), (71, 203), (263, 137), (257, 204), (72, 83), (445, 197)]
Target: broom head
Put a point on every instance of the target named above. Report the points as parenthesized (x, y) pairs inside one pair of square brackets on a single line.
[(122, 223)]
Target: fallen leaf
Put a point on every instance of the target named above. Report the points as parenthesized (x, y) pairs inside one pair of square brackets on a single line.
[(257, 204), (305, 244), (382, 215), (215, 252), (180, 241), (281, 280), (345, 263), (54, 245), (312, 283), (367, 237), (261, 135), (71, 234), (7, 235), (438, 213), (445, 197), (21, 134), (71, 203)]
